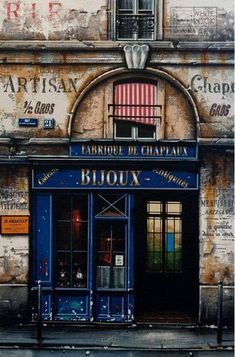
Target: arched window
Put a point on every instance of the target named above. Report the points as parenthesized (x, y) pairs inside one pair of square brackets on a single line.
[(136, 112)]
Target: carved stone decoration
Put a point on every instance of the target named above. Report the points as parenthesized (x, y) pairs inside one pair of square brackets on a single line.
[(136, 56)]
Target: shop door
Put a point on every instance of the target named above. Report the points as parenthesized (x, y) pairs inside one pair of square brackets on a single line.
[(81, 255), (167, 258)]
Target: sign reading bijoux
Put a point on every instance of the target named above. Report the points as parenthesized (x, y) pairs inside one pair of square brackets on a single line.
[(84, 178), (163, 150)]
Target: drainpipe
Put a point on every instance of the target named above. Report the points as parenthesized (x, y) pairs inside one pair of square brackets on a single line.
[(220, 313)]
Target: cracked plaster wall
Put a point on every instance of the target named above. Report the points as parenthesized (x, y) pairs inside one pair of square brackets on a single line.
[(88, 20), (216, 235), (92, 120), (216, 220), (14, 249), (198, 20), (51, 20)]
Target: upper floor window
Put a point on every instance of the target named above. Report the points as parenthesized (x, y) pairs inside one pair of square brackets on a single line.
[(135, 110), (136, 19)]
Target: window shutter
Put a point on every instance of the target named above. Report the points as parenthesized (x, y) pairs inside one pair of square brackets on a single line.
[(136, 102)]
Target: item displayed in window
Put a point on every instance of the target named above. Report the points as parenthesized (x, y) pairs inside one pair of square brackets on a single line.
[(79, 280), (110, 235), (63, 280), (103, 277)]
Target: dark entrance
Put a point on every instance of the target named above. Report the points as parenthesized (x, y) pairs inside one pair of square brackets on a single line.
[(166, 258)]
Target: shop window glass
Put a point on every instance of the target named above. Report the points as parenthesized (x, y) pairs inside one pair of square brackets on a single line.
[(164, 237), (71, 235)]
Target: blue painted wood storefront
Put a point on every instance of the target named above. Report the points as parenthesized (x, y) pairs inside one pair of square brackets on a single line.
[(83, 237)]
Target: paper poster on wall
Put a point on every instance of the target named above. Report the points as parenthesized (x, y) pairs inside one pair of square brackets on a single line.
[(119, 260)]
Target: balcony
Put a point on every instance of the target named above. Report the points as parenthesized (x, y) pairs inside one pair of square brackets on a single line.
[(135, 27), (142, 114)]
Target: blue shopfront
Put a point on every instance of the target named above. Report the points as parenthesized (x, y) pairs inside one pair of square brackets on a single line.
[(115, 231)]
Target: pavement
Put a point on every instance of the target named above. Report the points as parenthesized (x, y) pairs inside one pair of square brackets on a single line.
[(128, 341)]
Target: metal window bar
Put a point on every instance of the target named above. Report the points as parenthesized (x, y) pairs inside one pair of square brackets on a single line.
[(141, 25), (137, 107)]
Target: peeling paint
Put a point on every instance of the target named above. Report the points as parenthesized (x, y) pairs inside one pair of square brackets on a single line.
[(49, 20), (216, 215), (198, 21)]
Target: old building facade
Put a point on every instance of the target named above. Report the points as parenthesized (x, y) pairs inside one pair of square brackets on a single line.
[(116, 159)]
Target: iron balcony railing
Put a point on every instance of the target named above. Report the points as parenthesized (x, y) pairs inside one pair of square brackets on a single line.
[(135, 26), (132, 112)]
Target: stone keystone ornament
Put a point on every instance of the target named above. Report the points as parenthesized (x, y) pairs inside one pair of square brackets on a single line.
[(136, 56)]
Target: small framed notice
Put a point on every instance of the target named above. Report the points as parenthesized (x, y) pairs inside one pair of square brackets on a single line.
[(14, 224), (119, 260)]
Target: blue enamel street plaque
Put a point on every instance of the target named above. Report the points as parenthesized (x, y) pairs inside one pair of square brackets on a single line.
[(89, 178), (28, 122), (49, 123), (126, 151)]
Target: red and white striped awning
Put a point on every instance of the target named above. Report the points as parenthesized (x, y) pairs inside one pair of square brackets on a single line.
[(136, 102)]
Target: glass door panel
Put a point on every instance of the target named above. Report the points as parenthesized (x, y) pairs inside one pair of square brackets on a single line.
[(111, 237), (71, 228)]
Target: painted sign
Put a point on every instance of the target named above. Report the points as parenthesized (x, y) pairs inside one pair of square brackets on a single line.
[(156, 151), (198, 20), (89, 178), (194, 21), (52, 19), (14, 224)]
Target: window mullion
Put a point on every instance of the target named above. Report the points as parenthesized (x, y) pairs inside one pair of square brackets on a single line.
[(164, 222), (136, 7), (71, 242)]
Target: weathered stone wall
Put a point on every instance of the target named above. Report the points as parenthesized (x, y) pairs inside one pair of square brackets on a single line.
[(51, 20), (43, 93), (92, 118), (198, 20), (14, 200), (216, 232), (50, 92), (88, 20), (14, 249), (212, 89)]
